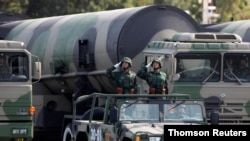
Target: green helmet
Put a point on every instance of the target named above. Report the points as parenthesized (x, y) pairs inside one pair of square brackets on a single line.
[(128, 60), (156, 60)]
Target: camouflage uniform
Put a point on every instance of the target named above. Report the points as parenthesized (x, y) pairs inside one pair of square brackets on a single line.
[(242, 70), (156, 80), (4, 71), (124, 80)]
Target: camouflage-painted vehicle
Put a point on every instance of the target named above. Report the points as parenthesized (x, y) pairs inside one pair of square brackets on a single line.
[(133, 117), (199, 64), (76, 49), (16, 105)]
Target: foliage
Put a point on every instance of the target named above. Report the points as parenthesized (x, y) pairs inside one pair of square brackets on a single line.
[(228, 10)]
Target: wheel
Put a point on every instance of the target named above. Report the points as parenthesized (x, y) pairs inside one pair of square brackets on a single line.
[(67, 134)]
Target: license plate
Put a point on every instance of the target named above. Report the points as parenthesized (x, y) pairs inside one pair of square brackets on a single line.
[(21, 131)]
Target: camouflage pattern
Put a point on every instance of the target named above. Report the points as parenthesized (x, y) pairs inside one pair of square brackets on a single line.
[(15, 97), (4, 68), (81, 46), (242, 72), (157, 80), (128, 60), (4, 72), (148, 117), (124, 80), (197, 68), (106, 36)]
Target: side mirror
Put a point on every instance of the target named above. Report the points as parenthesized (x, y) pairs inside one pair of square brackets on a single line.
[(37, 70)]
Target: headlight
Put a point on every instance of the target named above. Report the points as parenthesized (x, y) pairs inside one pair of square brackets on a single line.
[(154, 138)]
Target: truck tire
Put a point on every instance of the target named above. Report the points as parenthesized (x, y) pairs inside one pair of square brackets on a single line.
[(67, 134)]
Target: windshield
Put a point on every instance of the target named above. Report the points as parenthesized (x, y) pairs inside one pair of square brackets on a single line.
[(183, 112), (13, 67), (208, 67), (138, 111), (236, 67), (197, 67)]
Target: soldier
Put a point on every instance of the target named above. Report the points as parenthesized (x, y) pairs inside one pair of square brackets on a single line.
[(242, 70), (176, 112), (156, 79), (4, 69), (181, 112), (125, 79)]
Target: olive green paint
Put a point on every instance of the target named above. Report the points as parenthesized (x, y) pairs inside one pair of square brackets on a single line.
[(18, 29), (192, 88), (76, 27)]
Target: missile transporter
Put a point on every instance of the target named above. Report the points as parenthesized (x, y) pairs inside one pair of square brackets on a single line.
[(75, 51), (135, 117)]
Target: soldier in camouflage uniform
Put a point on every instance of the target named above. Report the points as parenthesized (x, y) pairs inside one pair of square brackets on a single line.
[(242, 70), (4, 69), (125, 79), (156, 79)]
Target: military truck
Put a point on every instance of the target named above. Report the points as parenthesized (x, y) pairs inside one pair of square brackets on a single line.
[(198, 64), (134, 117), (16, 77), (76, 49)]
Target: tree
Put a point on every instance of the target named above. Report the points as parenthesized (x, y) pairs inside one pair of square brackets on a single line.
[(229, 10)]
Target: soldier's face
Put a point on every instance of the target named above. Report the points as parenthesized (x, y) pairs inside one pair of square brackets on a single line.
[(243, 62), (156, 65), (125, 65)]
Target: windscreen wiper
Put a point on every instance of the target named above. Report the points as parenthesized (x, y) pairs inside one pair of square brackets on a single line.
[(130, 104), (211, 74), (176, 105), (238, 80)]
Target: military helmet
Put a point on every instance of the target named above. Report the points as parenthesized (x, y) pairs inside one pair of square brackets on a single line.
[(156, 60), (128, 60)]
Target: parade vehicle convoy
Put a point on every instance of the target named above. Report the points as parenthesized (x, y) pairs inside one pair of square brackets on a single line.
[(76, 49), (16, 77), (133, 117), (198, 64)]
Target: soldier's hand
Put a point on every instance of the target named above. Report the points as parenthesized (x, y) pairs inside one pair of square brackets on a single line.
[(148, 65), (117, 65)]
